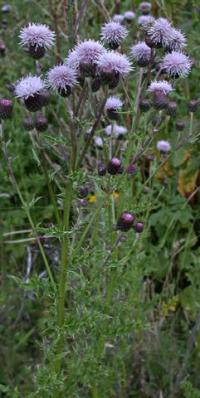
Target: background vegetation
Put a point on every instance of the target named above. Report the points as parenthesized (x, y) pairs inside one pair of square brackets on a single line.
[(140, 338)]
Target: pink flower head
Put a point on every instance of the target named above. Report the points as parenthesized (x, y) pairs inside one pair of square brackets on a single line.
[(113, 103), (163, 146), (62, 77), (129, 16), (29, 86), (113, 33), (141, 53), (115, 130), (112, 61), (160, 33), (145, 21), (161, 86), (88, 51), (176, 64), (37, 35), (177, 40), (118, 18)]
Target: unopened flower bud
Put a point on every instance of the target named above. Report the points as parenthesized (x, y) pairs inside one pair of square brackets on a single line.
[(131, 169), (102, 170), (138, 227), (144, 105), (114, 166), (125, 221), (180, 125), (2, 49), (41, 123), (193, 105), (28, 123), (6, 107), (172, 108)]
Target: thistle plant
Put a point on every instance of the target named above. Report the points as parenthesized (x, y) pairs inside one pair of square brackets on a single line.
[(111, 101)]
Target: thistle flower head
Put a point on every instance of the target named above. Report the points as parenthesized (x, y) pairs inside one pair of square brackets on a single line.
[(113, 33), (113, 103), (115, 130), (129, 15), (37, 35), (61, 77), (176, 64), (161, 86), (88, 52), (141, 53), (163, 146), (160, 32), (112, 61), (98, 142), (118, 18), (72, 60), (177, 40), (145, 7), (145, 21), (28, 86)]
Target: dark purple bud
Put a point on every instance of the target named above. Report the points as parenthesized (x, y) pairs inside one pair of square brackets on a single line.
[(172, 108), (41, 123), (84, 191), (28, 123), (114, 166), (125, 221), (144, 105), (6, 107), (2, 49), (150, 157), (102, 170), (36, 52), (65, 92), (35, 102), (96, 84), (138, 227), (193, 105), (180, 125), (131, 169), (160, 100)]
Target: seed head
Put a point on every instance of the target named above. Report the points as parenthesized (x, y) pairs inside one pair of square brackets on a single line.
[(62, 78), (176, 64), (37, 35), (163, 146), (141, 53), (113, 33)]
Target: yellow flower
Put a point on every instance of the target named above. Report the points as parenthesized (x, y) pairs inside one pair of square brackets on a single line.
[(170, 306), (115, 194), (92, 198)]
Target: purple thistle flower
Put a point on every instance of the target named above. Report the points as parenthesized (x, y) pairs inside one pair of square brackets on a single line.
[(177, 41), (118, 18), (62, 78), (145, 21), (6, 107), (129, 16), (88, 52), (176, 64), (72, 60), (98, 142), (115, 130), (113, 103), (31, 90), (145, 7), (37, 38), (159, 34), (113, 63), (113, 33), (125, 221), (163, 146), (141, 53), (29, 86), (160, 86)]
